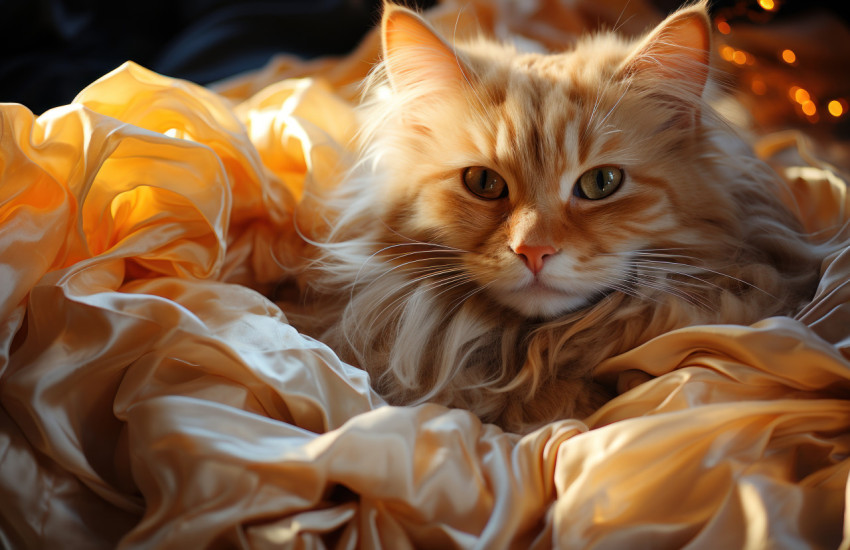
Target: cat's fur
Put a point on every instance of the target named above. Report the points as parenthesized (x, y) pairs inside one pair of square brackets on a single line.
[(422, 283)]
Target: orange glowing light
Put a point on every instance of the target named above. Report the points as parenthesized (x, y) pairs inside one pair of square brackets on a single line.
[(835, 108), (792, 92), (739, 57), (809, 108), (758, 86), (724, 27), (726, 52), (801, 96), (789, 56), (769, 5)]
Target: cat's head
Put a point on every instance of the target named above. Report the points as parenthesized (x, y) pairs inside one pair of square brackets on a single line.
[(545, 176)]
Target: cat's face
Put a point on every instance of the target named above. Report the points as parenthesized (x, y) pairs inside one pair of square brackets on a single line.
[(544, 177)]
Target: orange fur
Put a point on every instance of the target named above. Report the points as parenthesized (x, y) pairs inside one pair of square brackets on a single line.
[(421, 279)]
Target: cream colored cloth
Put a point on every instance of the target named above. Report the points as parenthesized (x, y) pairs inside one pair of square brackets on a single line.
[(152, 397)]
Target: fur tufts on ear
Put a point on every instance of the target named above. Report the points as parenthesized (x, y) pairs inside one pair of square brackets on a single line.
[(677, 49), (415, 55)]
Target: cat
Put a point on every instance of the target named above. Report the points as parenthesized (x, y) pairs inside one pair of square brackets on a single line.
[(516, 218)]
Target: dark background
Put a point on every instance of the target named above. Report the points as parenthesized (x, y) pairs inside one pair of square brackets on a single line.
[(51, 49)]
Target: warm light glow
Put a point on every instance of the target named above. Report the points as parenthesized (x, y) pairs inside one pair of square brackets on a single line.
[(809, 108), (739, 57), (769, 5), (835, 108), (789, 56), (723, 27), (726, 52), (758, 86), (801, 96), (792, 92)]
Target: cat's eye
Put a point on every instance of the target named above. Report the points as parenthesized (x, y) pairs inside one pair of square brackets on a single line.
[(598, 183), (485, 183)]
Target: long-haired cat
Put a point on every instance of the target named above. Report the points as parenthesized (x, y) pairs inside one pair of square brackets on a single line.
[(517, 218)]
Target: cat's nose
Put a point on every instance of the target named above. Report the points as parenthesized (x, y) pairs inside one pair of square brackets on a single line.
[(534, 256)]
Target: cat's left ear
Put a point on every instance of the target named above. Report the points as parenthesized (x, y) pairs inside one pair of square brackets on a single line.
[(677, 50)]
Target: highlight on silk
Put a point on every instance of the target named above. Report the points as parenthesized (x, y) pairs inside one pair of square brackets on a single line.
[(437, 274)]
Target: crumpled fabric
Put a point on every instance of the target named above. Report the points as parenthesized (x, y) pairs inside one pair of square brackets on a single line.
[(152, 396)]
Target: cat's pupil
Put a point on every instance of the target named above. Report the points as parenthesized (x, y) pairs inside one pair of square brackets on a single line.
[(600, 180), (485, 183), (598, 183)]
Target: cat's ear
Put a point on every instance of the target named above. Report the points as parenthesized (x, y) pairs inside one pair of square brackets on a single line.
[(677, 50), (414, 54)]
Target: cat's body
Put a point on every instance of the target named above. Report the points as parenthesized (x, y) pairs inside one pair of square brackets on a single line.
[(517, 218)]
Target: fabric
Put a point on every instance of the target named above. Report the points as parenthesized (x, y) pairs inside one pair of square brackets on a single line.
[(152, 396)]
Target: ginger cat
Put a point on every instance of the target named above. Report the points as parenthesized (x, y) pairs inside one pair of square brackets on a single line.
[(517, 218)]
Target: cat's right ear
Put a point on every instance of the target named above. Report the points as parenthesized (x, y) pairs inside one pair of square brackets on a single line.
[(416, 56)]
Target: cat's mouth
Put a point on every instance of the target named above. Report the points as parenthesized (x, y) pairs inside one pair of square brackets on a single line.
[(540, 300)]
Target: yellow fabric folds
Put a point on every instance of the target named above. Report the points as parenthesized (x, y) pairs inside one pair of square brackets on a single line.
[(152, 397)]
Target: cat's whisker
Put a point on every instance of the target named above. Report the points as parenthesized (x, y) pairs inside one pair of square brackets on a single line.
[(636, 282), (460, 301), (400, 301), (696, 281), (436, 255), (411, 240), (363, 266), (418, 273), (591, 121), (395, 304), (648, 255), (422, 275), (672, 291), (623, 287), (720, 274), (652, 252), (670, 285), (602, 122), (462, 66), (386, 248), (617, 23), (456, 283)]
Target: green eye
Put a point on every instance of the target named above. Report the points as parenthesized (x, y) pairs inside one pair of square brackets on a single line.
[(485, 183), (598, 183)]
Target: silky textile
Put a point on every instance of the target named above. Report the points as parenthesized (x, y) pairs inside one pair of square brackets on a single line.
[(153, 396)]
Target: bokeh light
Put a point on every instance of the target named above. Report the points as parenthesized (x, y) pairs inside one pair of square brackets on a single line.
[(739, 57), (789, 56), (766, 78), (809, 108), (800, 95)]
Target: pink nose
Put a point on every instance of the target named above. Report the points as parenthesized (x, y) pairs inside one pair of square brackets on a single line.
[(533, 256)]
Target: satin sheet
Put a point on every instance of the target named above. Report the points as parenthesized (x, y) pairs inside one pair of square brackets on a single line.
[(152, 397)]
